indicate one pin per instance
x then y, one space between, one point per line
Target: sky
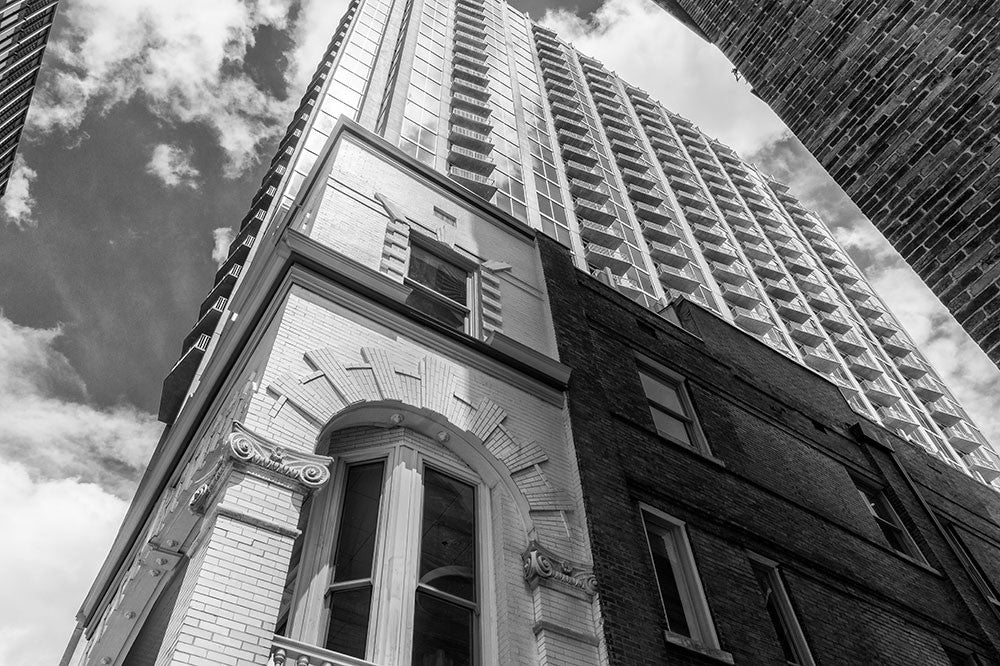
147 137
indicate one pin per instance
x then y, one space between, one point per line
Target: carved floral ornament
249 451
542 565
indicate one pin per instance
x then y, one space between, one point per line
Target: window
390 561
670 407
976 571
888 521
958 656
684 607
442 285
779 610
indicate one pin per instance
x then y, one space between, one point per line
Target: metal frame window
670 406
685 609
781 613
888 521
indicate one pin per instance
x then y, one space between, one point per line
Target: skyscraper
897 101
24 31
371 447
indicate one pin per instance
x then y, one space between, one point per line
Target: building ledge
720 656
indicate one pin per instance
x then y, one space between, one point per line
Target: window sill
720 656
693 450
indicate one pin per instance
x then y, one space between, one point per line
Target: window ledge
720 656
550 367
693 450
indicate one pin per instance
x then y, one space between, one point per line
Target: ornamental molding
259 457
541 566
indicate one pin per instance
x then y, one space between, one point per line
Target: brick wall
898 100
779 483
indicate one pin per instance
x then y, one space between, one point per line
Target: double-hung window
781 613
888 521
685 609
442 284
978 575
670 407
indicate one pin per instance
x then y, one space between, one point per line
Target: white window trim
914 553
390 639
696 610
473 297
698 440
787 611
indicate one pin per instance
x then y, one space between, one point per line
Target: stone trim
238 514
541 566
552 627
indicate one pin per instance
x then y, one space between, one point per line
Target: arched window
393 554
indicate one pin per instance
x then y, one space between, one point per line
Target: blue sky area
147 137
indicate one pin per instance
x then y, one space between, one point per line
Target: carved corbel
541 566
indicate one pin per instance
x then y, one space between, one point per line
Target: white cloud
172 165
182 58
316 22
18 203
648 48
222 237
48 425
58 533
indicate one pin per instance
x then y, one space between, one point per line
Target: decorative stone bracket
257 456
542 567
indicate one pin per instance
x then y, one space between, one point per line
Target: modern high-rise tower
897 100
375 452
24 31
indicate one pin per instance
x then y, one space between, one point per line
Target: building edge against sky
639 194
24 32
898 102
382 329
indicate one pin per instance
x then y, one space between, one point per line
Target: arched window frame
390 639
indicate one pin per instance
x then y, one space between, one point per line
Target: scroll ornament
541 565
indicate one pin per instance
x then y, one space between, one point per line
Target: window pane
670 426
356 545
780 624
662 393
442 633
437 308
435 273
349 612
448 536
666 578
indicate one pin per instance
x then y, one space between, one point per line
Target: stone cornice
541 566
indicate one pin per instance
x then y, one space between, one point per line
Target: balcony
880 391
478 183
576 135
581 171
602 257
561 94
896 346
288 652
651 119
668 233
963 437
820 358
606 106
470 26
639 178
470 74
470 89
912 366
627 286
744 296
626 147
788 250
567 112
675 167
764 265
811 231
699 214
836 260
856 290
868 308
583 156
602 214
811 285
471 160
897 418
693 199
755 319
206 324
617 130
834 321
927 387
882 327
655 214
822 301
684 279
648 195
471 103
850 343
806 332
793 310
945 412
780 288
684 182
799 266
559 84
723 252
732 273
470 49
470 138
471 13
581 189
471 60
635 163
709 233
672 254
728 203
601 234
473 121
863 365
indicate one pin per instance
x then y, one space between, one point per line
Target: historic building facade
395 436
897 100
24 31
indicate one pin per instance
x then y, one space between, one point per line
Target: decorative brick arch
338 393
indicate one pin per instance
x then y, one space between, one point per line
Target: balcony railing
780 288
963 437
834 321
597 193
597 213
656 214
806 332
755 319
819 358
581 171
476 140
732 273
709 233
793 310
945 412
673 254
481 185
601 234
850 342
684 279
667 232
895 416
744 296
880 390
286 652
603 257
927 387
723 252
640 178
911 366
864 366
647 195
473 160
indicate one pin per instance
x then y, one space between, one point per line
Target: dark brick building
898 100
772 476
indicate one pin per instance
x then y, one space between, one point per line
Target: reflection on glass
448 543
349 612
664 564
442 633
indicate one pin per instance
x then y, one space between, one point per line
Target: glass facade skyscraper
645 201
